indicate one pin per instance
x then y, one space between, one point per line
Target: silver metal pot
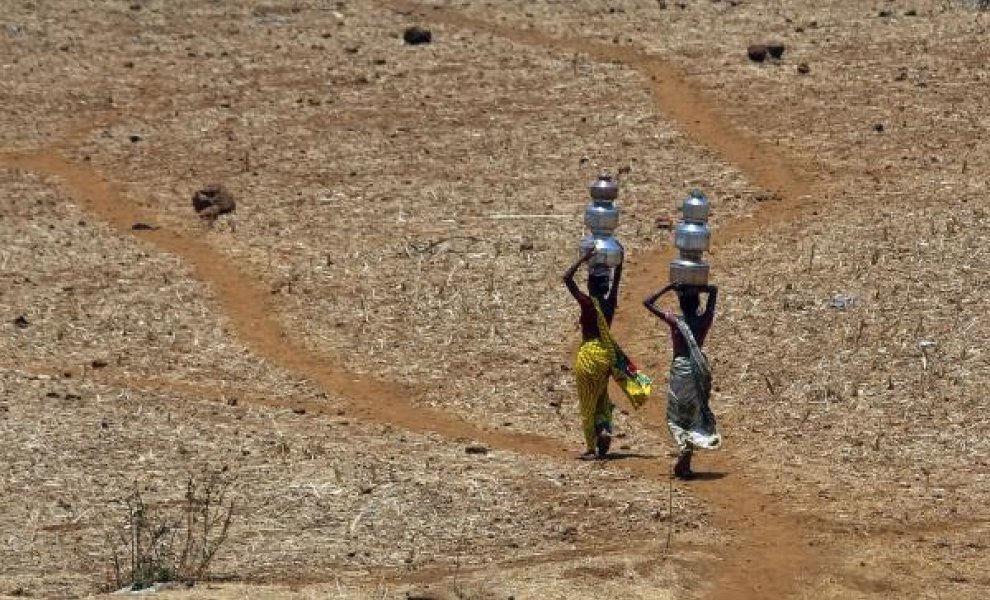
609 251
689 272
696 207
604 188
601 216
692 237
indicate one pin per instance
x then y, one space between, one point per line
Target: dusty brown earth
375 346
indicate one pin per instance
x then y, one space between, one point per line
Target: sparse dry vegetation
162 542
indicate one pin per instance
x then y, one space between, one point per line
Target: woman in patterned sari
689 417
596 355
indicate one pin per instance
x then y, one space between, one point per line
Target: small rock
803 68
841 301
299 411
476 450
757 52
21 322
135 138
776 49
878 127
144 227
526 245
911 13
98 363
416 35
212 201
885 13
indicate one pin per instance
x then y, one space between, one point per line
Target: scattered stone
803 68
476 450
299 411
757 52
135 138
841 301
776 50
911 13
213 201
98 363
883 14
416 35
144 227
878 127
21 322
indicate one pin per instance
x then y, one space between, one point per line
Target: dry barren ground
374 347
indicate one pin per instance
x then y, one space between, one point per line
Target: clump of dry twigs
155 544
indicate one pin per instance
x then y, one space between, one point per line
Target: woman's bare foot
682 468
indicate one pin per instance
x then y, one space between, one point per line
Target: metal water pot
689 272
601 216
609 250
692 237
696 207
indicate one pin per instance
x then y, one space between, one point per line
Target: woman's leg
603 421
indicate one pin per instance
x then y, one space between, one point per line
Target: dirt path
769 550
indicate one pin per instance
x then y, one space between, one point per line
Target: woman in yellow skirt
597 354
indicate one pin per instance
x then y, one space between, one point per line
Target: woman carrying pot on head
596 355
689 417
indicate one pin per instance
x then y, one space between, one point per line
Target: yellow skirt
592 368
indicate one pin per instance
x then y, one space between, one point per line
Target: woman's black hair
598 284
689 301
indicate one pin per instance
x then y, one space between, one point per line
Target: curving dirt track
769 555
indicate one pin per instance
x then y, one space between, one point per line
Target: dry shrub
168 542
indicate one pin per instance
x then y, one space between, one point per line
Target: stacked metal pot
601 216
692 238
